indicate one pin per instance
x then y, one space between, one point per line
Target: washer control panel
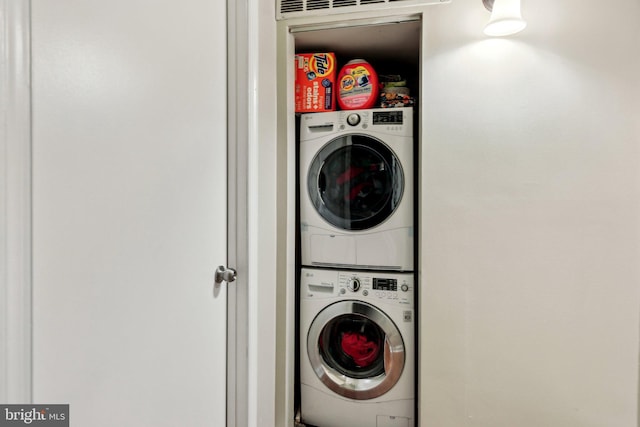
377 286
384 287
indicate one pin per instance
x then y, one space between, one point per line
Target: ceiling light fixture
506 18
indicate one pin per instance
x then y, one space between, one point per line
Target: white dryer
356 189
357 361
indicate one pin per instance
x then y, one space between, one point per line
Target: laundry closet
355 285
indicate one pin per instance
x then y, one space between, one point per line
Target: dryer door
356 350
355 182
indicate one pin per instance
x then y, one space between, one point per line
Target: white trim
286 303
15 203
237 295
265 218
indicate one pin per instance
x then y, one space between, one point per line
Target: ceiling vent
302 8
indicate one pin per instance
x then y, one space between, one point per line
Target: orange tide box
315 82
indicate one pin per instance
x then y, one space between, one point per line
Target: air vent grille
287 6
343 3
300 8
318 4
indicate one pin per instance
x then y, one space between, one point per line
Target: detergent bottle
357 85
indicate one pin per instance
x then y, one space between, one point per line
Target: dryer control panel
392 121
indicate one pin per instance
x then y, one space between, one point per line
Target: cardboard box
315 82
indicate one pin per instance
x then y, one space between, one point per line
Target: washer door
355 182
356 350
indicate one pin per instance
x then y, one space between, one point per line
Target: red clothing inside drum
359 348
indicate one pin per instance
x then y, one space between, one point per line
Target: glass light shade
506 19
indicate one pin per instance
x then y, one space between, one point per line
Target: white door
129 210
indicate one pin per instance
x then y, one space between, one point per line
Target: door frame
237 204
15 201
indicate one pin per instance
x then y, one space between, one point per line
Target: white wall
531 217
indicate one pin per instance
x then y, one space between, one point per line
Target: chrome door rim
381 150
353 388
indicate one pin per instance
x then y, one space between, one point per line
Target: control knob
353 119
353 284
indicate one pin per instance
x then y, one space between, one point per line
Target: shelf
394 43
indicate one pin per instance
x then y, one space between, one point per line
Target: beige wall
531 217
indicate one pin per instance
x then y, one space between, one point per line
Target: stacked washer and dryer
356 314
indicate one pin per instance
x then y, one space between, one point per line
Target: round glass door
355 182
356 350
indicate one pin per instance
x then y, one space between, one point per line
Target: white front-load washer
357 361
356 189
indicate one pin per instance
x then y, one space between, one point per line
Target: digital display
387 118
385 284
